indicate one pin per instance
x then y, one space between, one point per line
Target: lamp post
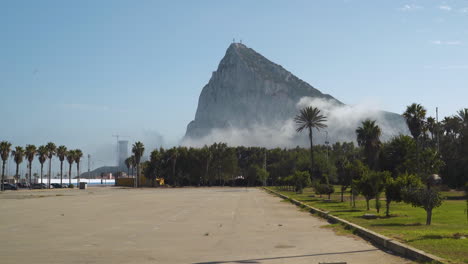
326 144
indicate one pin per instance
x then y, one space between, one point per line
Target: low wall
375 238
128 182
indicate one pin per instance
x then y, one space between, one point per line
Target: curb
377 239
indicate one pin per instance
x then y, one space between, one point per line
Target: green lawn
406 223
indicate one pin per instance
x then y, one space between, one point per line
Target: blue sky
77 72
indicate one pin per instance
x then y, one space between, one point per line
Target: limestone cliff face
249 90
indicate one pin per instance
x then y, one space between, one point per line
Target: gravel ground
185 225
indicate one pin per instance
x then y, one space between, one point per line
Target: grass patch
447 237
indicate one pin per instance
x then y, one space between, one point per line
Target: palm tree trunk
3 174
50 176
17 172
137 174
42 171
311 154
61 172
69 174
30 176
78 174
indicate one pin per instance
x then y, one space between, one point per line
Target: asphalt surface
187 225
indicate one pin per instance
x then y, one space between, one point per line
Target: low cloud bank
342 122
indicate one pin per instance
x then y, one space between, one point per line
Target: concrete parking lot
186 225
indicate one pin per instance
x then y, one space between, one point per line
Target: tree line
398 168
43 153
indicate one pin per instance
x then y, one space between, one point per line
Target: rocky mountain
250 100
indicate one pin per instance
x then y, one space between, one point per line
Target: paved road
190 225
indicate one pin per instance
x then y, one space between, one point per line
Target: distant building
107 176
122 153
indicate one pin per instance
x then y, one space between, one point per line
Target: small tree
301 179
428 199
371 186
356 169
344 175
393 188
327 189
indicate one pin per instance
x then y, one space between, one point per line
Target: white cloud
409 7
342 121
464 10
445 7
448 43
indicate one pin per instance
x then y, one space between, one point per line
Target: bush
301 179
327 189
71 186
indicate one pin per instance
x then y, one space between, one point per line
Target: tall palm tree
310 118
18 156
138 149
78 155
70 158
61 154
431 125
50 154
5 148
368 137
415 116
42 153
30 152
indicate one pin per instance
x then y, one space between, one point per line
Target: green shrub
301 179
71 186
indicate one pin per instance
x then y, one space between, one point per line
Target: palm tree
368 137
61 154
18 156
138 149
173 155
309 118
5 148
50 154
70 158
78 155
431 125
30 152
415 115
129 164
42 153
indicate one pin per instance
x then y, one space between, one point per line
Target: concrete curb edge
378 239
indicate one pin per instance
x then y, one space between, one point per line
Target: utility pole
89 166
437 127
264 165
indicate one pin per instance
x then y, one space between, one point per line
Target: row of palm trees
43 153
134 161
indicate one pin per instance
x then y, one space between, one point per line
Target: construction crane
117 148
